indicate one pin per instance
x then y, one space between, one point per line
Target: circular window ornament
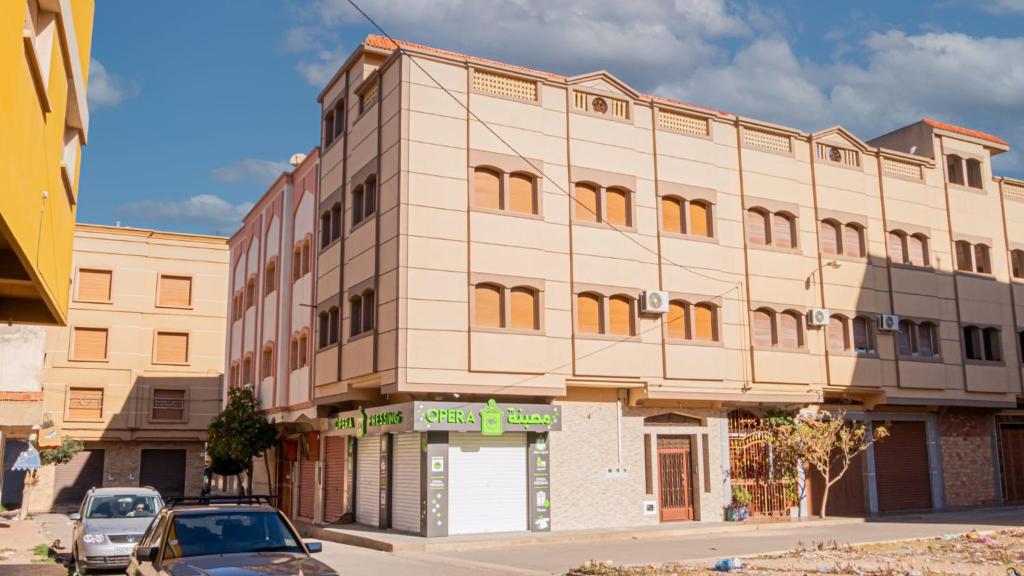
599 105
834 154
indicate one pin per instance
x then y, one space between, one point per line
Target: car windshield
123 506
224 532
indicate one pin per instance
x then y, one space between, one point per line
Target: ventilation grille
900 169
581 101
683 123
837 155
504 86
767 141
1013 191
601 105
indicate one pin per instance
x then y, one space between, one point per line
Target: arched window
963 256
830 237
489 306
1017 263
705 322
294 356
587 206
838 336
672 219
247 370
763 328
357 205
784 230
927 342
233 375
336 221
590 318
853 240
982 262
905 338
972 343
955 169
617 211
270 278
487 188
305 257
863 335
620 315
700 219
323 329
369 310
758 227
678 320
918 249
297 263
992 344
897 247
522 193
303 350
250 293
524 308
332 318
370 196
355 315
790 335
325 229
974 173
267 367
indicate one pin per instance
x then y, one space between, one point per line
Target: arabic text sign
490 418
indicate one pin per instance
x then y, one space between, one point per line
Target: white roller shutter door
368 481
487 483
405 483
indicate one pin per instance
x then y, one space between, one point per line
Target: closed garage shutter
334 477
901 468
72 480
368 481
307 487
164 470
487 483
1011 449
405 483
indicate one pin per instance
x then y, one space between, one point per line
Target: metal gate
901 468
1011 453
164 470
72 480
675 500
335 475
773 490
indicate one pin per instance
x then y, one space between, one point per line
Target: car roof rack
259 499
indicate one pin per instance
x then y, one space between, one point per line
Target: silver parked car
109 523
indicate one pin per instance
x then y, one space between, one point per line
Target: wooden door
1011 448
286 477
675 498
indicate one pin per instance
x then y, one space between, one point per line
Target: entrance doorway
675 492
286 476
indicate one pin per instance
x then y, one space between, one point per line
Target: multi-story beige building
549 302
136 374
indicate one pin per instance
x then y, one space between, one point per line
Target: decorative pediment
839 136
672 419
604 83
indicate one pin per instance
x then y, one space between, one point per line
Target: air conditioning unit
888 323
653 302
818 317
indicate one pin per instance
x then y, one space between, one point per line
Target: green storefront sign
490 419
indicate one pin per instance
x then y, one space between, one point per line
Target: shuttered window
270 278
524 308
904 338
303 351
862 335
678 324
488 305
617 210
853 240
897 251
85 403
522 198
918 250
963 256
762 324
757 228
168 404
171 348
789 330
672 214
369 310
487 189
620 318
94 285
247 370
705 325
838 340
982 263
700 219
1017 263
267 369
89 344
829 238
782 232
586 203
588 308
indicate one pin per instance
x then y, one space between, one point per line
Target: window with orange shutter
588 310
829 237
700 219
489 306
168 405
918 248
524 308
85 403
487 189
705 324
94 285
522 197
678 323
586 205
763 331
270 278
838 339
757 227
789 330
89 344
783 231
897 248
620 316
171 348
853 240
963 256
617 211
672 215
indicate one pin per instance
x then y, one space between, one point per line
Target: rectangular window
89 344
168 405
85 403
368 97
175 291
267 368
94 285
171 348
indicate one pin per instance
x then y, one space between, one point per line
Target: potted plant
739 509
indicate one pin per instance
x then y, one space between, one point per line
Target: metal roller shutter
901 468
487 483
405 483
72 480
368 481
307 487
1011 450
164 470
335 452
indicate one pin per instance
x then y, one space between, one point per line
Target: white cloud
1003 6
106 89
200 211
321 66
249 170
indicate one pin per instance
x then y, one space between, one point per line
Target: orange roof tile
965 131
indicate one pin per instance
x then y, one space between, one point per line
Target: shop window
487 188
838 337
758 227
620 315
590 317
587 208
678 320
829 237
524 308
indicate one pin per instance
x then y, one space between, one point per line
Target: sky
196 106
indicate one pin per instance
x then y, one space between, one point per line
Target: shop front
444 468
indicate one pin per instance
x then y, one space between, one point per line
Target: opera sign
490 419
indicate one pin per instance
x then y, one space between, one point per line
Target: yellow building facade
44 121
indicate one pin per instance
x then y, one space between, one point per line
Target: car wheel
79 569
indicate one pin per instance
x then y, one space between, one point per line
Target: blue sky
196 106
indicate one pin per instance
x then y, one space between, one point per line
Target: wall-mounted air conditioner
818 317
653 302
888 323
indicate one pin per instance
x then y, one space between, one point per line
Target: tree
238 434
61 454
